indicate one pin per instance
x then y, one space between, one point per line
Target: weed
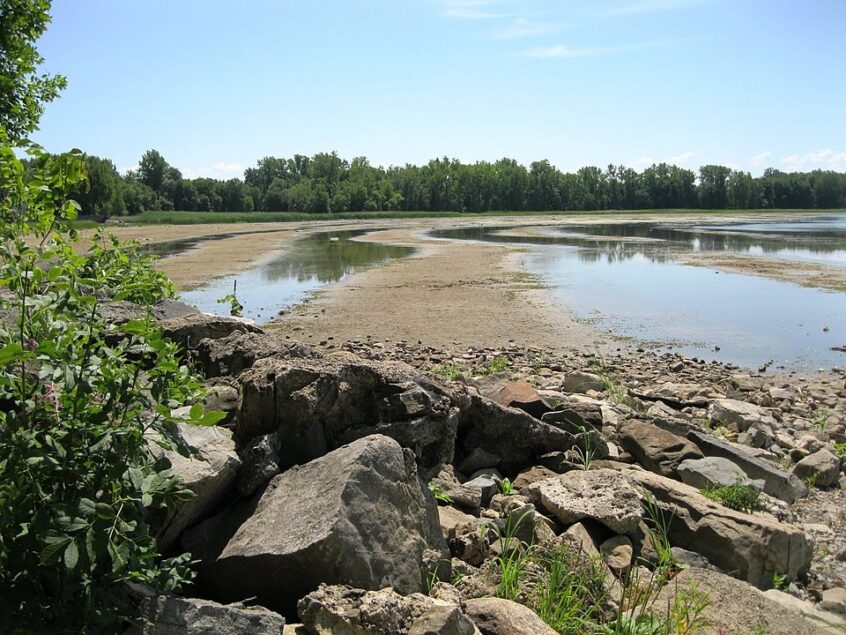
615 390
840 451
235 308
497 365
742 498
439 493
658 527
505 487
449 370
779 581
821 419
811 480
584 455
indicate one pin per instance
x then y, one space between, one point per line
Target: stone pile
373 489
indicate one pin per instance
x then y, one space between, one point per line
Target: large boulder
822 467
735 607
710 472
777 482
751 547
738 415
497 616
239 350
522 395
209 472
359 515
339 610
603 495
317 405
655 448
190 329
515 436
171 615
582 382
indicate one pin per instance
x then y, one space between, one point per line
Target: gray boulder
239 350
711 471
738 415
655 448
188 330
342 610
603 495
514 435
208 472
358 516
496 616
822 466
752 548
778 483
581 382
317 405
171 615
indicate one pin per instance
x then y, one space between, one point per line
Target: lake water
625 278
285 281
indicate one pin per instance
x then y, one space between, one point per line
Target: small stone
617 552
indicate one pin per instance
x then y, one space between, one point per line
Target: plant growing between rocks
739 497
81 397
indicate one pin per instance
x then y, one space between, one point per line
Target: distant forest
328 183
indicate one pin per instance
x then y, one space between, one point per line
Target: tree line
326 182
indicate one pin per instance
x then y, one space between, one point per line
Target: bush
80 399
742 498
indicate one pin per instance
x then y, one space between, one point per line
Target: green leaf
196 412
87 507
211 418
53 550
71 555
120 555
11 353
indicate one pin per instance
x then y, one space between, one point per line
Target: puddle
307 264
624 277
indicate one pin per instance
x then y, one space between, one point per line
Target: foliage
439 493
505 487
449 370
658 530
22 91
742 498
497 365
779 581
684 615
615 390
236 309
82 400
821 419
840 451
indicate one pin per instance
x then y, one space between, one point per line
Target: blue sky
214 85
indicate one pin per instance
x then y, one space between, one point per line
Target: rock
443 620
579 536
581 382
710 471
824 621
777 483
495 616
656 449
338 610
822 466
752 547
478 459
317 405
208 472
190 329
171 615
575 417
834 600
239 350
735 607
678 395
358 515
759 435
486 485
522 395
603 495
690 558
532 475
617 552
222 397
515 436
468 498
463 536
259 463
738 415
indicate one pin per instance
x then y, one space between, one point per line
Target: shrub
79 400
742 498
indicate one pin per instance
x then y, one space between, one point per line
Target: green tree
101 193
713 192
152 169
23 92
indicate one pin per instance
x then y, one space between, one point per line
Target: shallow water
285 281
625 277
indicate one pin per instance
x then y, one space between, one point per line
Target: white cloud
127 168
681 159
760 159
220 170
820 159
565 51
523 28
647 6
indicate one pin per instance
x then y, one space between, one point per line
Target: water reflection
309 263
625 276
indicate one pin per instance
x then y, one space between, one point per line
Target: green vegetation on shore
206 218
